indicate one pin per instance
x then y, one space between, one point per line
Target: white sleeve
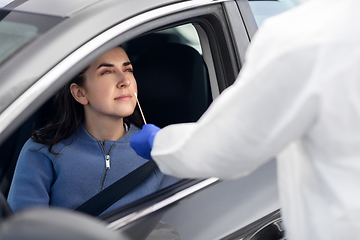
272 102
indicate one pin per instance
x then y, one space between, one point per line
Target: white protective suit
297 96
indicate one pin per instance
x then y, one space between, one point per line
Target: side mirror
56 224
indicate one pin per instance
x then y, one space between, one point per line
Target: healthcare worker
297 98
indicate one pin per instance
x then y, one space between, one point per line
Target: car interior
173 87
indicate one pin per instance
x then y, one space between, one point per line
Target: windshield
18 29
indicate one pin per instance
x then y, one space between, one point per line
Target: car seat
173 84
5 209
10 149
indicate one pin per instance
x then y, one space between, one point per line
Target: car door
208 209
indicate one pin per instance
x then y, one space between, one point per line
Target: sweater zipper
107 163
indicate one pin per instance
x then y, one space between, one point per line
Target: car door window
190 96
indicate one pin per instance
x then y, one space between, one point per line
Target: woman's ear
78 93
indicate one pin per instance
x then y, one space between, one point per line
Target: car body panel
213 218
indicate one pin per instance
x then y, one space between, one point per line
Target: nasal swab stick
140 108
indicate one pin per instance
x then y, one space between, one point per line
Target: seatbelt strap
107 197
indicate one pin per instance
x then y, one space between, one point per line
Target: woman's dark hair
70 114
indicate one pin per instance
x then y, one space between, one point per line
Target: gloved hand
142 142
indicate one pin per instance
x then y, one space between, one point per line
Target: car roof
59 8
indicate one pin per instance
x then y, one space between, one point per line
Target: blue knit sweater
78 172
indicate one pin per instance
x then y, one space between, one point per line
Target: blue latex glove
142 142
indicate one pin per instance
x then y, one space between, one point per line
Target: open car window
173 86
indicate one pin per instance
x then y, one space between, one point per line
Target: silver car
44 43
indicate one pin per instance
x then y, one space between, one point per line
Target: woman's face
110 85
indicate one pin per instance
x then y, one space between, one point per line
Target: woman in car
87 148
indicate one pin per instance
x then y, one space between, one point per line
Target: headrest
173 84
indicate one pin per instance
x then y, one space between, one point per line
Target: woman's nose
124 81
